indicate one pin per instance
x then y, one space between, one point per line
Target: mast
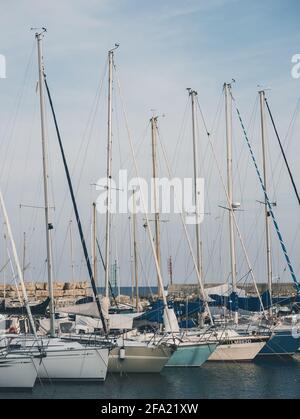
193 95
131 257
94 242
156 203
48 224
136 279
109 169
228 111
18 265
4 270
24 255
262 96
71 250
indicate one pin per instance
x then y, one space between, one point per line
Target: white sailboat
61 360
128 355
64 360
230 345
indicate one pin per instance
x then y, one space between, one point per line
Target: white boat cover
116 321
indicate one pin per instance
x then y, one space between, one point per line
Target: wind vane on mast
43 29
114 48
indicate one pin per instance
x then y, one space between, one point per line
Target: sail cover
250 303
36 310
90 310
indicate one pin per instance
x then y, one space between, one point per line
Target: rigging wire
85 143
234 217
149 230
77 214
283 152
283 246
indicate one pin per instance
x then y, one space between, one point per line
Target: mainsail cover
116 321
182 309
36 310
253 304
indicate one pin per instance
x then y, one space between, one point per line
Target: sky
165 47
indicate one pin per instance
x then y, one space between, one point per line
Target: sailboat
230 346
283 341
196 346
128 355
141 353
125 355
188 353
62 360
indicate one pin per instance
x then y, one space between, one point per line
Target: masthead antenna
39 31
114 48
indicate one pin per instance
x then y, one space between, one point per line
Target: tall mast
17 262
262 96
156 203
24 255
228 111
135 256
71 250
48 224
193 95
94 242
131 257
4 270
109 169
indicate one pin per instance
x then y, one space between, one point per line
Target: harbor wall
39 290
190 290
74 290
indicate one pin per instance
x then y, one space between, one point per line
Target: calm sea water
268 379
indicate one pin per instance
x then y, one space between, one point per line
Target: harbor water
278 378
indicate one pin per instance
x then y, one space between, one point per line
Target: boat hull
87 364
236 352
63 360
282 343
19 372
139 359
192 355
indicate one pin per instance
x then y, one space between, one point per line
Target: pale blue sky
166 46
